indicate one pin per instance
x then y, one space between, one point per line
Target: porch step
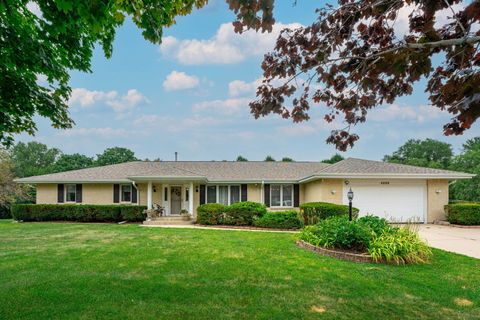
168 220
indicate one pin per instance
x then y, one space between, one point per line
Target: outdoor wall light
333 191
196 189
438 191
154 189
347 182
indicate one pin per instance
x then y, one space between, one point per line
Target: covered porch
176 196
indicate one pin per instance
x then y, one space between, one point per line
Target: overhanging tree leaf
41 41
352 60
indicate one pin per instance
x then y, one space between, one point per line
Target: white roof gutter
386 176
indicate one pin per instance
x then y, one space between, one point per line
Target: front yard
86 271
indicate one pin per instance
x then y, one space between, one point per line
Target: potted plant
185 214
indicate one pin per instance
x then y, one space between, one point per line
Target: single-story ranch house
397 192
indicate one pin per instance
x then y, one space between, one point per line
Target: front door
176 199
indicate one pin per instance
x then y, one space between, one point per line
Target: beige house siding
98 193
325 190
437 191
46 194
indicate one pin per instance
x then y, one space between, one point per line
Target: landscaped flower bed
370 236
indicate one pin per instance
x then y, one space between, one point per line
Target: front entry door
176 200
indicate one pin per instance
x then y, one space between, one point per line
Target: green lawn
80 271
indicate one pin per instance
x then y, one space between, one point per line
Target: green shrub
244 213
211 213
376 224
314 212
74 212
399 245
463 213
133 213
338 232
280 220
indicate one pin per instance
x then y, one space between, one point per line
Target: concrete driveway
459 240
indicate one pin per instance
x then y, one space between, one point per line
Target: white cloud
224 47
239 88
180 81
225 107
393 112
128 101
104 133
87 98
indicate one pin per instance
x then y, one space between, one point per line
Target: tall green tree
241 159
269 159
40 46
425 153
10 191
33 158
467 161
115 155
67 162
333 159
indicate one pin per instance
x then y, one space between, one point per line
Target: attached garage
398 200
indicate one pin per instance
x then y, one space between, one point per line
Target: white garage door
395 200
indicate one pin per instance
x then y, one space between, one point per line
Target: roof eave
32 181
387 176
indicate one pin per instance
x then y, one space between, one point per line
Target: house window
70 193
281 195
126 193
234 194
223 194
211 194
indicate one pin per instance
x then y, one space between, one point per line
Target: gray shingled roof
238 171
209 170
353 166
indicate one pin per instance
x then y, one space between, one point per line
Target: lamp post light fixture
350 198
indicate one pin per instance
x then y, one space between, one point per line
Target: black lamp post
350 198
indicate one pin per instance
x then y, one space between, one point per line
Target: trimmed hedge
80 213
211 213
280 220
314 212
237 214
244 213
467 214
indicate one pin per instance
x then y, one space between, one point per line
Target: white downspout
138 192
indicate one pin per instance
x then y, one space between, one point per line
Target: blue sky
191 96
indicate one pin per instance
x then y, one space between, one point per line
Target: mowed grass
94 271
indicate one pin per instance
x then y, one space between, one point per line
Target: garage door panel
396 201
